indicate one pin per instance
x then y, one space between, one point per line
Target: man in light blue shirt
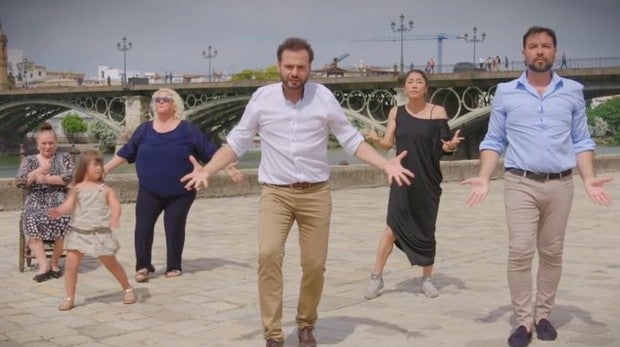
539 121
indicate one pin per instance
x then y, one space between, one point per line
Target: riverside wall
342 176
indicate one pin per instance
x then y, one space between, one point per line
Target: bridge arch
25 115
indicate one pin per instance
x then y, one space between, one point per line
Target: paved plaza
215 302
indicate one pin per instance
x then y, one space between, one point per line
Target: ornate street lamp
401 29
209 55
124 47
474 39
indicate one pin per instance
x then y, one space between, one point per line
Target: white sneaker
374 286
429 289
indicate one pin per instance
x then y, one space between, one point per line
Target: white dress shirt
293 136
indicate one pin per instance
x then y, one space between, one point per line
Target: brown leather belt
296 185
539 176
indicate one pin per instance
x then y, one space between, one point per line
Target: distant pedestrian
539 107
109 81
564 64
481 63
506 62
95 211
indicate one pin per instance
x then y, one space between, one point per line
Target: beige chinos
279 208
537 214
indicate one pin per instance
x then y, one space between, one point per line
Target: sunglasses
163 99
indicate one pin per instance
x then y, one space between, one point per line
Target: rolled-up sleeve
580 134
346 134
495 138
241 137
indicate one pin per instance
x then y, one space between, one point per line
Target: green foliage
106 136
73 124
598 127
270 73
609 111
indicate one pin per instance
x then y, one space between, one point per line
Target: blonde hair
177 102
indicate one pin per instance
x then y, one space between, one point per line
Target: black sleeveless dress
412 210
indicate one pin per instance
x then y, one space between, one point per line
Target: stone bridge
216 107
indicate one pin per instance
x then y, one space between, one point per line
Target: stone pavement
214 303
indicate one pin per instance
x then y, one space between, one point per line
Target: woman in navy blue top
161 149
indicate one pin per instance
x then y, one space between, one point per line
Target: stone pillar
136 112
4 56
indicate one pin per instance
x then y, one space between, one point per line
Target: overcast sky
169 35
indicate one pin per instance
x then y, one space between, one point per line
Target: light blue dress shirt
539 134
293 136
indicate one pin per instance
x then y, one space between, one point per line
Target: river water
9 164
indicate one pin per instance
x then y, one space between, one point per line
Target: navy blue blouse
163 158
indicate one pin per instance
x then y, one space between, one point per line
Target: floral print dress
41 197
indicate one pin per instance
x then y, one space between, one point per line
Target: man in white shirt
293 119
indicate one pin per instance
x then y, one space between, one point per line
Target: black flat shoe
43 277
56 274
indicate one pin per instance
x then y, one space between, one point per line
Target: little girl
95 211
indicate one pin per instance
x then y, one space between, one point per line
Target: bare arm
453 144
593 185
113 163
66 208
387 141
115 208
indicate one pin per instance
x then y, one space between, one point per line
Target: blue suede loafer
520 337
545 330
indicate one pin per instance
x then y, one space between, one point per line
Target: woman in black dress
422 130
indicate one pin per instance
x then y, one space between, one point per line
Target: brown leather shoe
274 343
306 339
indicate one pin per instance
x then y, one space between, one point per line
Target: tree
609 111
270 73
72 124
105 135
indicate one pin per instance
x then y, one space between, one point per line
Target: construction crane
339 59
332 68
439 37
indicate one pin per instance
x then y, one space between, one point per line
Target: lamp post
401 29
124 47
209 55
474 39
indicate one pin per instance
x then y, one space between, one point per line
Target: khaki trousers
279 208
537 214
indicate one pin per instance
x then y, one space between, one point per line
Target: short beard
536 68
299 87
